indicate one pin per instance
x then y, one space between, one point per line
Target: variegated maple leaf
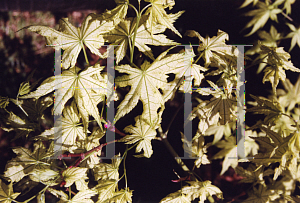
26 161
106 171
80 85
123 34
277 61
141 133
262 15
72 39
295 35
146 83
158 15
213 50
222 103
70 131
229 152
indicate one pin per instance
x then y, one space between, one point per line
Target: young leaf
141 133
122 196
196 148
290 97
176 197
72 39
106 189
116 15
214 50
201 190
123 33
229 149
108 171
277 60
83 196
158 15
262 15
295 35
265 106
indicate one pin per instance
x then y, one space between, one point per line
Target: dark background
149 178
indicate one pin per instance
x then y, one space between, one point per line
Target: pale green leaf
105 189
72 39
141 133
80 85
201 190
71 175
123 33
157 15
108 171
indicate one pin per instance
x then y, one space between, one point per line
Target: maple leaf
106 189
116 15
88 144
287 6
229 149
45 176
270 39
7 194
193 70
146 83
253 174
83 196
222 103
262 15
295 35
247 2
201 190
158 15
123 34
218 131
70 130
213 49
122 196
277 61
26 161
72 39
22 126
141 133
108 171
70 175
35 109
262 194
79 85
290 97
275 150
197 149
176 197
272 109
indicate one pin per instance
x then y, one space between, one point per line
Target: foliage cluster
82 94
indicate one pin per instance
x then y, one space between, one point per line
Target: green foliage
83 92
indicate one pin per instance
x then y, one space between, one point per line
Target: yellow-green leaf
72 39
